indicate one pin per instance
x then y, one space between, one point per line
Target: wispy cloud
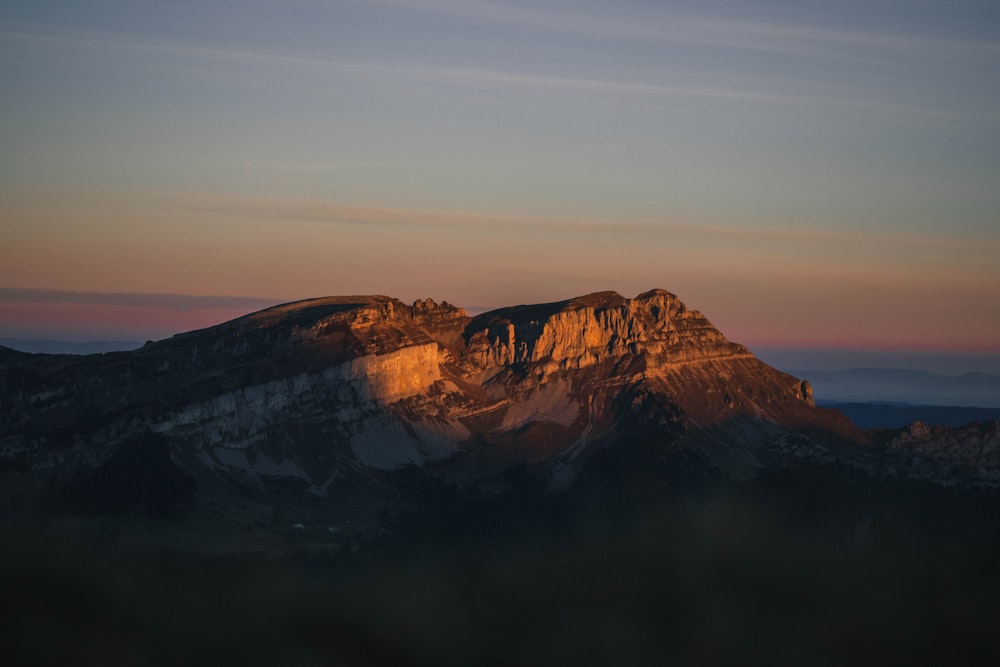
180 302
665 25
335 212
247 209
467 78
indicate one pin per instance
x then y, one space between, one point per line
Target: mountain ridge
334 398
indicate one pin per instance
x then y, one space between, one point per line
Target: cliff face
601 344
314 389
581 332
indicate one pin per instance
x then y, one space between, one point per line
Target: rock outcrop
574 334
601 343
964 456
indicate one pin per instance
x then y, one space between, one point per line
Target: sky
806 174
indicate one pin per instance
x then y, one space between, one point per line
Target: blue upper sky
828 113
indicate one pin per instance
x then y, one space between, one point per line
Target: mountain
336 413
356 480
37 346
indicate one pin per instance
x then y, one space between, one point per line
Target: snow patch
385 443
551 402
263 465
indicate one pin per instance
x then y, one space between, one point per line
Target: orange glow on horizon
84 322
775 285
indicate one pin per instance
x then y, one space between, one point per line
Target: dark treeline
803 565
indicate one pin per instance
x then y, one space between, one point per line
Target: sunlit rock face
588 330
602 344
386 378
317 388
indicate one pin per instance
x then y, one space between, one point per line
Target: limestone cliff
577 333
602 344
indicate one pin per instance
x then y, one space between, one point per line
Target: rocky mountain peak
354 313
655 327
443 321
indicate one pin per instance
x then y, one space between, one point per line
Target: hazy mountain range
42 346
859 385
898 415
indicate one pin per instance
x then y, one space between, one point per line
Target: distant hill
69 347
868 385
898 415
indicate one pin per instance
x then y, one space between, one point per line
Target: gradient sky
804 173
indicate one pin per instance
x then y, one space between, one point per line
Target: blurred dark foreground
720 578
